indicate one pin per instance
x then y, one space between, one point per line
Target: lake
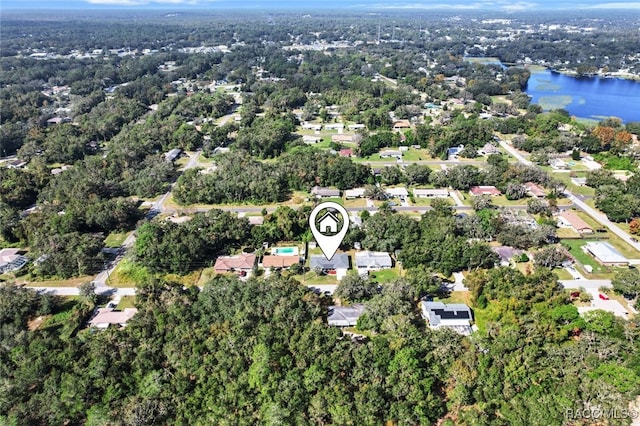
585 97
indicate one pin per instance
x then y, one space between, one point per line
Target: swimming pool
285 251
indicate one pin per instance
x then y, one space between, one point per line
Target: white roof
397 192
422 191
605 252
373 259
355 192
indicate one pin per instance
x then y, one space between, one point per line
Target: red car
603 296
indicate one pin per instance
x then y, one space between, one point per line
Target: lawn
385 275
72 282
416 155
128 274
358 202
126 302
115 239
311 277
575 248
456 297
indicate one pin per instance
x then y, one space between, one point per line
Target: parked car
603 296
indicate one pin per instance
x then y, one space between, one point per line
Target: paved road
586 284
514 152
581 204
75 291
603 220
425 162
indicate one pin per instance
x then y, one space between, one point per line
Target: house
342 138
346 152
568 219
454 151
456 316
11 260
489 149
221 150
107 316
334 126
279 262
606 254
338 265
255 220
308 139
350 194
391 154
535 190
356 126
430 193
320 192
344 316
328 224
579 181
400 192
241 263
173 154
311 126
484 190
558 164
506 254
401 124
16 164
372 261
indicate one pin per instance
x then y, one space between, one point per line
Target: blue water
586 97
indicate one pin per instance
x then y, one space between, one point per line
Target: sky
369 5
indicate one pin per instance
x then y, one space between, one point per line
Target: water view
586 97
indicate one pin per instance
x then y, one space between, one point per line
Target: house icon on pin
328 223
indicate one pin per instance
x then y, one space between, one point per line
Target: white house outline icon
328 224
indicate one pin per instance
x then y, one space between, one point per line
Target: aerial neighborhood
157 181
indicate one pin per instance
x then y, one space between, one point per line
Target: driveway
610 305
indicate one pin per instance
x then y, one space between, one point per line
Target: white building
456 316
430 193
606 254
372 261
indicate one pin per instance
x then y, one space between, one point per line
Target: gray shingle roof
338 261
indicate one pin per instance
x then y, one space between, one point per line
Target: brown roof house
535 190
485 190
279 262
240 263
569 219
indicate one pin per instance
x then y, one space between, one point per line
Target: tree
417 174
627 283
374 192
515 191
391 175
550 257
354 288
634 226
424 280
88 292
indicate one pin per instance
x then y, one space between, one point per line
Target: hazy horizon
345 5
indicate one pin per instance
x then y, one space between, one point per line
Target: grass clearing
358 202
456 297
311 277
128 274
115 239
385 275
575 248
72 282
126 302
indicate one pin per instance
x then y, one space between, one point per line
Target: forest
259 352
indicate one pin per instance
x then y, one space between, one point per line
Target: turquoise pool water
285 250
